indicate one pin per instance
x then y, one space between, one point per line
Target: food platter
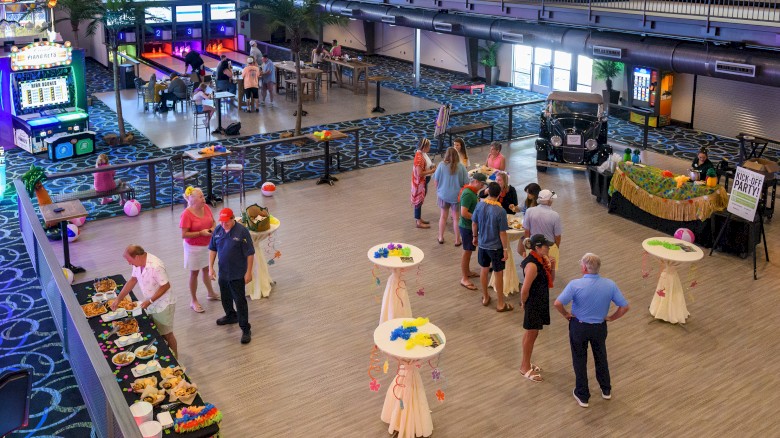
143 369
123 359
126 327
94 309
114 315
140 354
126 304
515 223
105 285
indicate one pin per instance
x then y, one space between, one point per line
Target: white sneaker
606 395
579 402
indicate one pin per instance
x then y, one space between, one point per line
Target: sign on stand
745 193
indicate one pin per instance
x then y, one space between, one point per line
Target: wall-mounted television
226 11
189 14
158 15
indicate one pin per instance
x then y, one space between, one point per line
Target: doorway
543 70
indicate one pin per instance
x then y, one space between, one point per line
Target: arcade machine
223 39
651 89
189 30
44 100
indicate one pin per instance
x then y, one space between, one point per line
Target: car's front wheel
541 155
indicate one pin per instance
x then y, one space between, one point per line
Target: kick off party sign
745 193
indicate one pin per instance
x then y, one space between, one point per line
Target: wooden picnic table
288 69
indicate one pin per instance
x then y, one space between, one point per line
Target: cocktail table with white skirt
395 301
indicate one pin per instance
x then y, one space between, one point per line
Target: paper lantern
68 275
79 221
684 234
132 207
268 189
73 232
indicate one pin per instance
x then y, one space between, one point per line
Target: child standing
104 181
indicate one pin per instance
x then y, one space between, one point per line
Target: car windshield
567 107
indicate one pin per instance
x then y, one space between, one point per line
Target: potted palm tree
296 18
603 69
490 60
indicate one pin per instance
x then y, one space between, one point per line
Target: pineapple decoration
712 178
33 181
627 154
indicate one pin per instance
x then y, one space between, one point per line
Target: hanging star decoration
421 292
440 395
661 293
374 385
436 374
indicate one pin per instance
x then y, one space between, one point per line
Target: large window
544 70
584 74
562 71
522 59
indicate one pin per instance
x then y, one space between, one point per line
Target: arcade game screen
43 92
223 11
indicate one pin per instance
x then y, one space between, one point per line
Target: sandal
486 303
535 368
532 375
469 286
197 308
459 244
213 298
441 241
507 308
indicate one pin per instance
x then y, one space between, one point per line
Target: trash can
126 76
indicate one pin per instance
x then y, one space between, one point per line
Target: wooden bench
470 87
481 127
120 189
281 160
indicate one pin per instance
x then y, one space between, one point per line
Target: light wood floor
304 374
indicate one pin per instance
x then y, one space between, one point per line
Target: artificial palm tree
115 15
297 18
78 11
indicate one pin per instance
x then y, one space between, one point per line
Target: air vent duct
389 19
442 27
733 68
510 37
347 12
607 52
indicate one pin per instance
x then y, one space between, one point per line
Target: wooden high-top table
357 67
334 135
62 212
288 67
378 80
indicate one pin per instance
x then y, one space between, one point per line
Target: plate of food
94 309
143 353
152 395
126 327
170 382
114 315
123 359
140 384
126 304
105 285
515 223
171 371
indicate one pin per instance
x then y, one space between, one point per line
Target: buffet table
395 301
124 375
511 279
406 409
641 194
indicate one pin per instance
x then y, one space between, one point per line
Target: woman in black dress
539 273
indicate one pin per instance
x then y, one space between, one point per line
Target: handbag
256 218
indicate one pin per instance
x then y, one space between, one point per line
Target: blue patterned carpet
27 333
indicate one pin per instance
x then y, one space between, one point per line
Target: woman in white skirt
197 223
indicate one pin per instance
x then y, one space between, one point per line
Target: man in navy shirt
232 242
489 225
590 296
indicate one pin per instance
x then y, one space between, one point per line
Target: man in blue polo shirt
232 242
590 296
489 225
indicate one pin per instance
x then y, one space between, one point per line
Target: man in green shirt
468 199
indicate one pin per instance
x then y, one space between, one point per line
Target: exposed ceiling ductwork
680 56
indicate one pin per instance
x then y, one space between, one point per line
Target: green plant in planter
489 58
607 70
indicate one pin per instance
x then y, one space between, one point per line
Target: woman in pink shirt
495 160
197 223
104 181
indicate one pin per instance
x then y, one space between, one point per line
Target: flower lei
547 267
188 190
489 202
196 417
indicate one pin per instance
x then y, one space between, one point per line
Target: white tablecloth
511 279
669 298
414 420
395 301
261 284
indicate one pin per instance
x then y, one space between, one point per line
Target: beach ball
132 207
73 232
268 189
68 275
79 221
684 234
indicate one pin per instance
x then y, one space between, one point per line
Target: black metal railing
510 114
645 113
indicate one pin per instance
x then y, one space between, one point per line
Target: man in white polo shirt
150 275
542 219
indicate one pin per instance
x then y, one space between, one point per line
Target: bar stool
197 122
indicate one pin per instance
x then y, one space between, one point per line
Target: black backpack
233 128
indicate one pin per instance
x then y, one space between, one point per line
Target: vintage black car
572 132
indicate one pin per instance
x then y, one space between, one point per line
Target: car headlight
591 144
556 140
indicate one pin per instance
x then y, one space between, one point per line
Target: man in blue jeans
590 296
489 225
233 243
